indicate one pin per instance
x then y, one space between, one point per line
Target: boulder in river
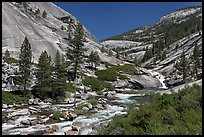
89 105
26 122
4 106
71 115
26 133
71 132
75 128
85 109
52 129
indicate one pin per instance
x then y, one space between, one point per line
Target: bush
11 98
161 116
60 99
93 101
11 60
69 87
80 106
4 114
108 75
111 74
94 83
58 114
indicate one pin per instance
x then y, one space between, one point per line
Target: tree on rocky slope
6 54
43 75
59 76
196 59
94 58
25 64
75 53
184 65
44 14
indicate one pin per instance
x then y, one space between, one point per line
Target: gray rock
4 106
85 109
89 105
26 122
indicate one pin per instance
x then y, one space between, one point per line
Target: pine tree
6 54
59 76
44 15
75 55
25 63
184 66
196 59
97 59
43 75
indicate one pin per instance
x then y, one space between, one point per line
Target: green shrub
94 83
11 98
111 74
60 99
58 114
108 75
122 77
80 106
93 101
4 114
163 115
69 87
10 60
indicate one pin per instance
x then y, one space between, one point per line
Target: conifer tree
43 75
44 15
25 64
184 66
75 54
6 54
59 76
196 59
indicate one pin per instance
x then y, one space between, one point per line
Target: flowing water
114 107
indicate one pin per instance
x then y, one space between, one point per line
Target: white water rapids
160 77
85 121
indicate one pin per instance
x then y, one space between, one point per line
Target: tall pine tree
196 54
43 75
75 53
59 76
25 64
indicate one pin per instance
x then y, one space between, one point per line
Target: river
114 107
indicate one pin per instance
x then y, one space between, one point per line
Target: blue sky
105 19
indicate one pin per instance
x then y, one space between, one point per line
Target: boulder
71 132
52 129
26 122
85 109
99 106
89 105
32 108
4 106
61 119
36 101
75 128
71 115
44 120
26 133
112 92
30 101
19 113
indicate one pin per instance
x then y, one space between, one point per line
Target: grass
93 101
11 98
